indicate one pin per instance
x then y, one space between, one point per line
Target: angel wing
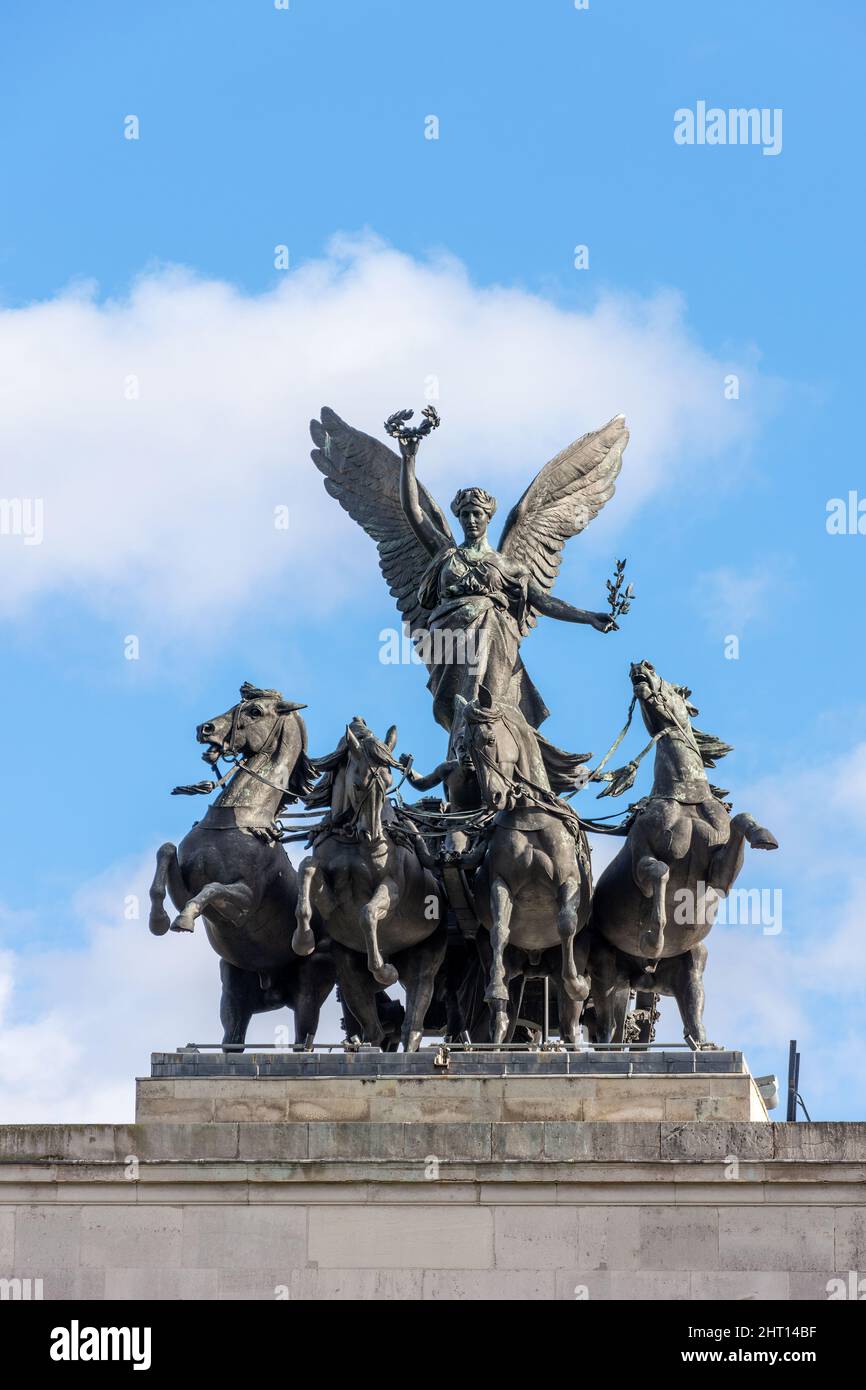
364 476
568 492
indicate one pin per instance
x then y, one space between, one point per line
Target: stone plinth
430 1087
506 1203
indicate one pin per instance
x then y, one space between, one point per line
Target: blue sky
261 127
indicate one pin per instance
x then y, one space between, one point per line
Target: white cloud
164 504
733 599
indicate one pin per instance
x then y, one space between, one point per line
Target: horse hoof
303 942
181 923
412 1041
386 975
159 921
764 839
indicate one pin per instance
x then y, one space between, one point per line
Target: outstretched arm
551 607
439 774
428 534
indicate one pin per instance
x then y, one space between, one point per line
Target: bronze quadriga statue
463 900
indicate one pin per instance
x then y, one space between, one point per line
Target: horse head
663 705
369 765
264 726
682 751
489 736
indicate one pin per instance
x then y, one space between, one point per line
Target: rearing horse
384 908
657 900
534 883
232 871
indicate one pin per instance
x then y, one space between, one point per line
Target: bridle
238 763
521 787
376 776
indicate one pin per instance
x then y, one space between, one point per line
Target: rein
594 775
240 764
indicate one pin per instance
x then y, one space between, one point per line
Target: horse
533 886
232 871
657 900
367 876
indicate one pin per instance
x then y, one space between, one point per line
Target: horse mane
710 747
259 692
564 770
325 770
304 772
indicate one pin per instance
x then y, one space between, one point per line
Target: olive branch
619 598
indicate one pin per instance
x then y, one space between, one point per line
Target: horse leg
570 1011
314 980
381 903
418 968
758 836
608 988
167 875
240 993
660 837
576 985
651 876
620 1002
496 994
687 987
232 900
358 992
456 967
727 860
310 881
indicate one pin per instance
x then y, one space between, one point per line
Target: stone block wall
406 1208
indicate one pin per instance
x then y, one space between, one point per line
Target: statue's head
473 508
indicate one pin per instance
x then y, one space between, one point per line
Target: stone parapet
510 1203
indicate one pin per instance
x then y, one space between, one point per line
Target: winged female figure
467 605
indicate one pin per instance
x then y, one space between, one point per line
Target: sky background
157 376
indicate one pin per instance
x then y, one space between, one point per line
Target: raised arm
426 531
424 528
551 607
